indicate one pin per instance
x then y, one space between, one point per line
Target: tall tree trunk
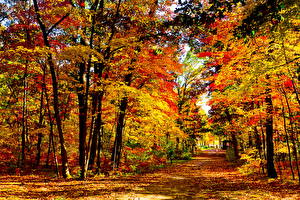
24 119
96 134
269 135
259 146
116 153
263 138
49 149
294 76
235 145
40 123
82 103
99 148
65 168
38 147
92 127
63 151
233 137
293 137
96 139
54 153
287 141
51 134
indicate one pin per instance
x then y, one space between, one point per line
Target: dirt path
208 176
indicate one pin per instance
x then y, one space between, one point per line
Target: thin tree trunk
24 120
24 106
99 148
269 135
92 127
97 99
259 147
116 154
51 138
49 150
38 154
96 139
292 133
54 152
287 141
40 125
82 103
51 131
64 156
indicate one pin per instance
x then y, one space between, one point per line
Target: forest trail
207 176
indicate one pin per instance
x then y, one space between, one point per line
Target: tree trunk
92 127
99 148
235 145
24 120
269 136
287 142
38 148
51 135
293 137
233 137
97 100
64 156
96 139
40 124
82 103
116 154
63 151
259 147
250 142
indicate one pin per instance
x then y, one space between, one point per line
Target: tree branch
57 23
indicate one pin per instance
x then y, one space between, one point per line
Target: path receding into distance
207 176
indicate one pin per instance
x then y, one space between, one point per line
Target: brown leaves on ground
207 176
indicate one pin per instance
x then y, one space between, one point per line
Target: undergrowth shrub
177 154
138 160
185 156
252 162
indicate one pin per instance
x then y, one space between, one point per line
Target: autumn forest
102 90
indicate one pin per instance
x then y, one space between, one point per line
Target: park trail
207 176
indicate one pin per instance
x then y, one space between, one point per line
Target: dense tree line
116 85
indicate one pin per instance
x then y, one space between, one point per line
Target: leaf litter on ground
207 176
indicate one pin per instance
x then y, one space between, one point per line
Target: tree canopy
102 85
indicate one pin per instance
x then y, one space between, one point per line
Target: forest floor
207 176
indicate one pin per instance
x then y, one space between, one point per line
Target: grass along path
207 176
